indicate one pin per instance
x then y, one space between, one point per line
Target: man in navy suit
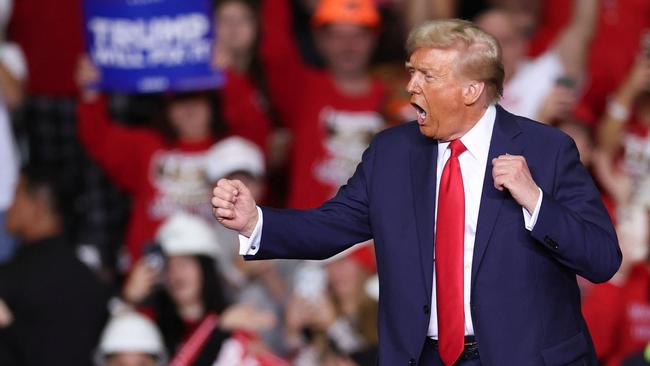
481 220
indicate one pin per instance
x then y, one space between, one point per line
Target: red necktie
449 243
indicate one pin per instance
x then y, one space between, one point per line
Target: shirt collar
477 139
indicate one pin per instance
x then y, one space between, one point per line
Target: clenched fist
511 172
234 206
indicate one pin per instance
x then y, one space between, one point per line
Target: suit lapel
423 161
423 158
503 141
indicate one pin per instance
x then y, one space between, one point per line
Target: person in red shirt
552 17
615 315
623 135
163 171
50 34
235 50
618 312
620 29
332 113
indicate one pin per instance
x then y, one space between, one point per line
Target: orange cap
360 12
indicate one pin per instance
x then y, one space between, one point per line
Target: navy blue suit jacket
525 301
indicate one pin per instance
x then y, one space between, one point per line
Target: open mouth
422 114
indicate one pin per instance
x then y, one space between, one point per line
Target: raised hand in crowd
11 85
558 104
638 80
6 316
621 105
613 180
247 317
306 313
141 282
86 75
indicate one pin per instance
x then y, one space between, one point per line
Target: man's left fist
511 172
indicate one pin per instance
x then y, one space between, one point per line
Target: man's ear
472 91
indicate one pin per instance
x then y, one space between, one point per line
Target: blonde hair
481 53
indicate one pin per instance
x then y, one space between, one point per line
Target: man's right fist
234 206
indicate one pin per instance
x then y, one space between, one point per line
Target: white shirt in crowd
527 89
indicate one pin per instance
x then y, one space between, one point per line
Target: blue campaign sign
152 45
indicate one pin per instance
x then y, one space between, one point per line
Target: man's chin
427 131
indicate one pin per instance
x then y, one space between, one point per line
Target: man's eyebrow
409 65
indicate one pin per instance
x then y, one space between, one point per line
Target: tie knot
457 148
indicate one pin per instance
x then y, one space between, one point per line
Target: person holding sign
163 170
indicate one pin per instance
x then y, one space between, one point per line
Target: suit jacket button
426 309
411 362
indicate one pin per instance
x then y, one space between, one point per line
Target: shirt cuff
250 246
531 219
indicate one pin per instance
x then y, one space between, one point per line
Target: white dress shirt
472 165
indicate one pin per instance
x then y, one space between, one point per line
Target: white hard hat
234 154
129 331
185 234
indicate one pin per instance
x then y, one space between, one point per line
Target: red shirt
50 34
616 42
162 176
330 130
554 16
621 24
618 317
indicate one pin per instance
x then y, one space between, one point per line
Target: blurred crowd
110 254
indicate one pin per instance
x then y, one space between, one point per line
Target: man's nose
412 87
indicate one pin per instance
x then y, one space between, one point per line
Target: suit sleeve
324 231
573 223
